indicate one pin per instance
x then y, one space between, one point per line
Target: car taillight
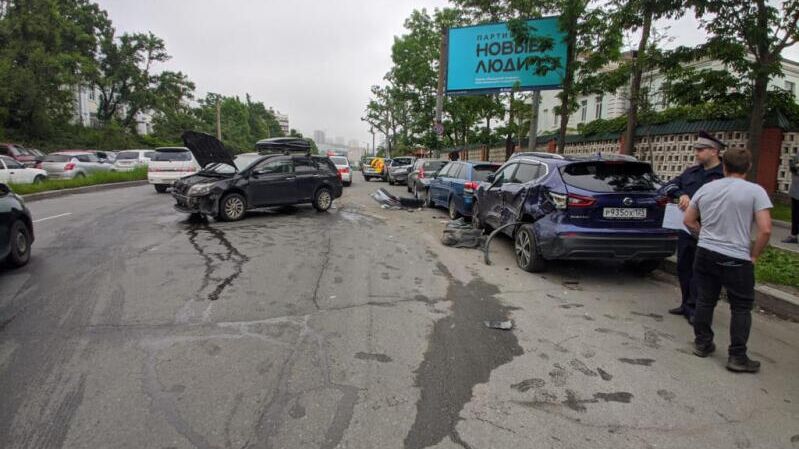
344 170
581 201
69 166
470 186
421 172
662 201
338 173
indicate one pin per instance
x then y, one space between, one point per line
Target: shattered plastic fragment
501 325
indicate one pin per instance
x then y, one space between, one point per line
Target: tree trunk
759 93
635 85
568 84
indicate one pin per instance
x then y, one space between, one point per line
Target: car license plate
624 212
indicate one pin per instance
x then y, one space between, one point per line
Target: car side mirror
490 178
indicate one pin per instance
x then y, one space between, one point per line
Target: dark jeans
686 251
713 271
794 216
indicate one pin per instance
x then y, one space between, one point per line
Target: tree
750 36
45 46
634 15
126 82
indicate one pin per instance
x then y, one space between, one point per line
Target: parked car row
556 207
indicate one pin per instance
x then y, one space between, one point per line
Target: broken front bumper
195 204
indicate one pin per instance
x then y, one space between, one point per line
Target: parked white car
12 171
169 164
130 159
73 164
343 167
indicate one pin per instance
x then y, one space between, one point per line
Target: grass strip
105 177
777 266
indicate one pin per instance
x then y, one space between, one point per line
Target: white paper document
673 218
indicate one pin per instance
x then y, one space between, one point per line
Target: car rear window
481 172
57 158
172 156
339 160
610 176
402 161
434 165
128 155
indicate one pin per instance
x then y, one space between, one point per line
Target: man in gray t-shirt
726 208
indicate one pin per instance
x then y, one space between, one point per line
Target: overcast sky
311 59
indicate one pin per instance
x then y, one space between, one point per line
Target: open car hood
206 149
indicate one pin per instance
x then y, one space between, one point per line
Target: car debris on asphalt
501 325
389 201
460 234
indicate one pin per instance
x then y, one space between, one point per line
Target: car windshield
610 176
128 155
339 160
57 158
481 172
172 156
243 161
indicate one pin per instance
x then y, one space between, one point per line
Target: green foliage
44 46
93 179
776 266
781 211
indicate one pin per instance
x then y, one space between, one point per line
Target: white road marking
54 216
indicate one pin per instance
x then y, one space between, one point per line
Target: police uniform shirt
689 181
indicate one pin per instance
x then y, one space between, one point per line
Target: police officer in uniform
708 168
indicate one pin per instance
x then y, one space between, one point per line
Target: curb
95 188
776 301
781 224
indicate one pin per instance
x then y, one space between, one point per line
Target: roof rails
538 154
283 145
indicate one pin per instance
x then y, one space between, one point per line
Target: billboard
486 58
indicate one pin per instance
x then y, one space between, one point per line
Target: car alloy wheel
453 211
20 244
526 249
233 207
323 200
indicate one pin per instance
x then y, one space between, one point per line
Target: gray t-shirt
727 210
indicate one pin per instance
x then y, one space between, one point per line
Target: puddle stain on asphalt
231 255
445 381
578 405
642 362
382 358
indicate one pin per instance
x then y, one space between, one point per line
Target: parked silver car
73 164
130 159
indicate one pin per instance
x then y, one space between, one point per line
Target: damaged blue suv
577 208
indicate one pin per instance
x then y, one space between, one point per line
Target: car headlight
200 189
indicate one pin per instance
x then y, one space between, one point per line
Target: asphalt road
356 328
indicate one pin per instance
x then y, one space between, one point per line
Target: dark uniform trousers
686 252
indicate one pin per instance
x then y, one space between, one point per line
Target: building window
790 87
91 93
554 118
583 110
598 111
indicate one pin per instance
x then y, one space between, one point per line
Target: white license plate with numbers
624 212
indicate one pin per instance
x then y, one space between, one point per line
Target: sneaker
743 364
790 239
704 350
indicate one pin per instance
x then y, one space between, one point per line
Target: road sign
439 129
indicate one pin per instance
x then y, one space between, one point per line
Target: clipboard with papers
673 218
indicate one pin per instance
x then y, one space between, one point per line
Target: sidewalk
779 231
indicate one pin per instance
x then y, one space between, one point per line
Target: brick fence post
552 146
769 163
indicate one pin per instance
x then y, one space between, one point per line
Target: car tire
528 256
160 188
643 267
79 176
426 200
232 207
390 182
19 244
39 179
348 183
323 199
476 224
453 211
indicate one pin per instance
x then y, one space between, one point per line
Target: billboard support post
534 120
442 58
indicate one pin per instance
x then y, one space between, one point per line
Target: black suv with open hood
282 173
